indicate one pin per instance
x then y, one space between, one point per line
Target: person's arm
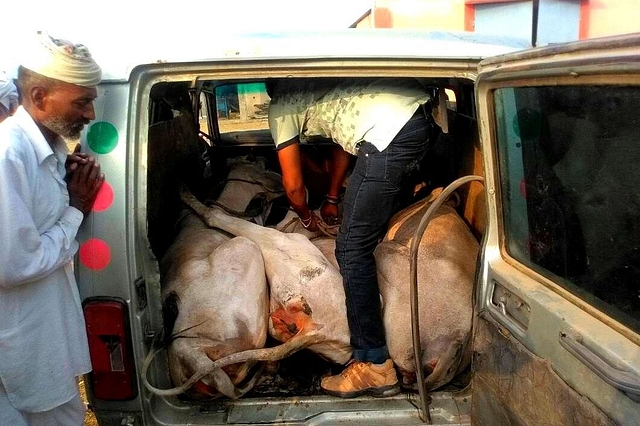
289 158
25 254
340 160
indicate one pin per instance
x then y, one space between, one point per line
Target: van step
446 409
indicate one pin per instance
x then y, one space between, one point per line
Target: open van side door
557 333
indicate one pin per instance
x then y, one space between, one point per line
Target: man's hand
329 213
75 159
310 223
83 183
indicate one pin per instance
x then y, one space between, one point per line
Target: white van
555 134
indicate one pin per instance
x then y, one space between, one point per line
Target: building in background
540 21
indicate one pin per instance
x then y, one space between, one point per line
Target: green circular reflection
102 137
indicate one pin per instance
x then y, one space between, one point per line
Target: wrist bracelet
308 221
332 200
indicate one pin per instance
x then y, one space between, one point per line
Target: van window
242 113
451 99
203 114
569 167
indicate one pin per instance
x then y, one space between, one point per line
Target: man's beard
69 131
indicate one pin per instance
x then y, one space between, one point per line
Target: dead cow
307 298
215 302
446 266
249 189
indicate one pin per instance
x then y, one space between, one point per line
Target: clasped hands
83 179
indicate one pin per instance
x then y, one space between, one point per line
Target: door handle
625 381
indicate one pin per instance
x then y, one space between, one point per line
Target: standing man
386 124
8 97
44 196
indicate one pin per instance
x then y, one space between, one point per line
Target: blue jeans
372 197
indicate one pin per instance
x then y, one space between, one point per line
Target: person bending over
386 123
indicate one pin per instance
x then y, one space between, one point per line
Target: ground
238 125
89 418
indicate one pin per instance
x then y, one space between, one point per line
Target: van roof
608 43
117 63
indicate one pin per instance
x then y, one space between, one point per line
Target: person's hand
309 223
75 159
329 213
83 183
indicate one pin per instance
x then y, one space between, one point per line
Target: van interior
195 128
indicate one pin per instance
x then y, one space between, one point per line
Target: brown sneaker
363 378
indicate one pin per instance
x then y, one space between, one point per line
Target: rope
323 228
328 230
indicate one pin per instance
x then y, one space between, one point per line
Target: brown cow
446 267
447 258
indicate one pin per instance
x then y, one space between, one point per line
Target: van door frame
532 313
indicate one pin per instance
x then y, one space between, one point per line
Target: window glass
451 99
203 114
242 112
569 169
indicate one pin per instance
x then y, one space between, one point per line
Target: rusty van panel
512 386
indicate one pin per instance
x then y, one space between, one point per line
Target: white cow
215 303
249 189
307 297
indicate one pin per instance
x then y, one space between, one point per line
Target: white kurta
43 343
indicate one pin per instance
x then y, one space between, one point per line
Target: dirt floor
89 418
238 125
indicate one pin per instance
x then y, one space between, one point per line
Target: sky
116 21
